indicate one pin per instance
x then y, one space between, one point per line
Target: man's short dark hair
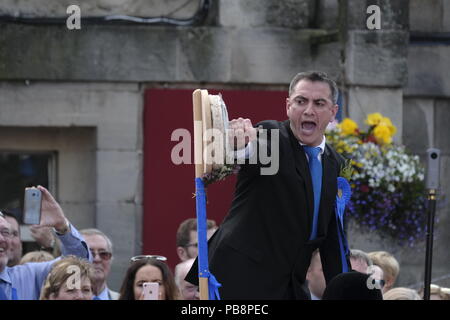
10 213
361 256
185 228
316 76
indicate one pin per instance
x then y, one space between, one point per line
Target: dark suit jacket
261 250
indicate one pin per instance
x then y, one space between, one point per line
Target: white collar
321 145
4 275
104 295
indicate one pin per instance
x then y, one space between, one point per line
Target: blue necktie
315 168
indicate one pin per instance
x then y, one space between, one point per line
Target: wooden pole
198 101
198 133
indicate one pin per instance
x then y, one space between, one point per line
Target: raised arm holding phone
23 282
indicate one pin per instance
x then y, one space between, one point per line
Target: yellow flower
348 126
382 134
374 118
386 121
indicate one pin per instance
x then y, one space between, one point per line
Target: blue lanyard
3 294
13 294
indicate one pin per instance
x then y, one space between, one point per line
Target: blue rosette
342 198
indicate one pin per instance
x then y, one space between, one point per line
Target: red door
168 188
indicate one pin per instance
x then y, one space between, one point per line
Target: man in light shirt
102 254
24 282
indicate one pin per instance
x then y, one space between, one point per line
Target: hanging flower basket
388 190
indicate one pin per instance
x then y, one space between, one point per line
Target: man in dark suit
263 248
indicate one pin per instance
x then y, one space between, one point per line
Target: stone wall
76 157
375 60
418 100
292 14
429 16
58 8
162 54
97 131
427 114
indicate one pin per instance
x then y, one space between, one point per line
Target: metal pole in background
432 184
429 251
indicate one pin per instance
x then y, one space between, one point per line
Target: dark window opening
21 169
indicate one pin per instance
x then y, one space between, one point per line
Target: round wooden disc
207 125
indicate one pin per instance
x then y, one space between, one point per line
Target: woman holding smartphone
145 270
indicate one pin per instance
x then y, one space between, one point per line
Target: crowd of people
74 265
373 277
82 266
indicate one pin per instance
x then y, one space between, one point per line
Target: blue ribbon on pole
342 198
203 268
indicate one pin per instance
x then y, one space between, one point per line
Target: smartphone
32 206
151 290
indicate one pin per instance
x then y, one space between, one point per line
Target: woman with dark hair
148 269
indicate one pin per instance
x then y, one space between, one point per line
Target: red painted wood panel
168 188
